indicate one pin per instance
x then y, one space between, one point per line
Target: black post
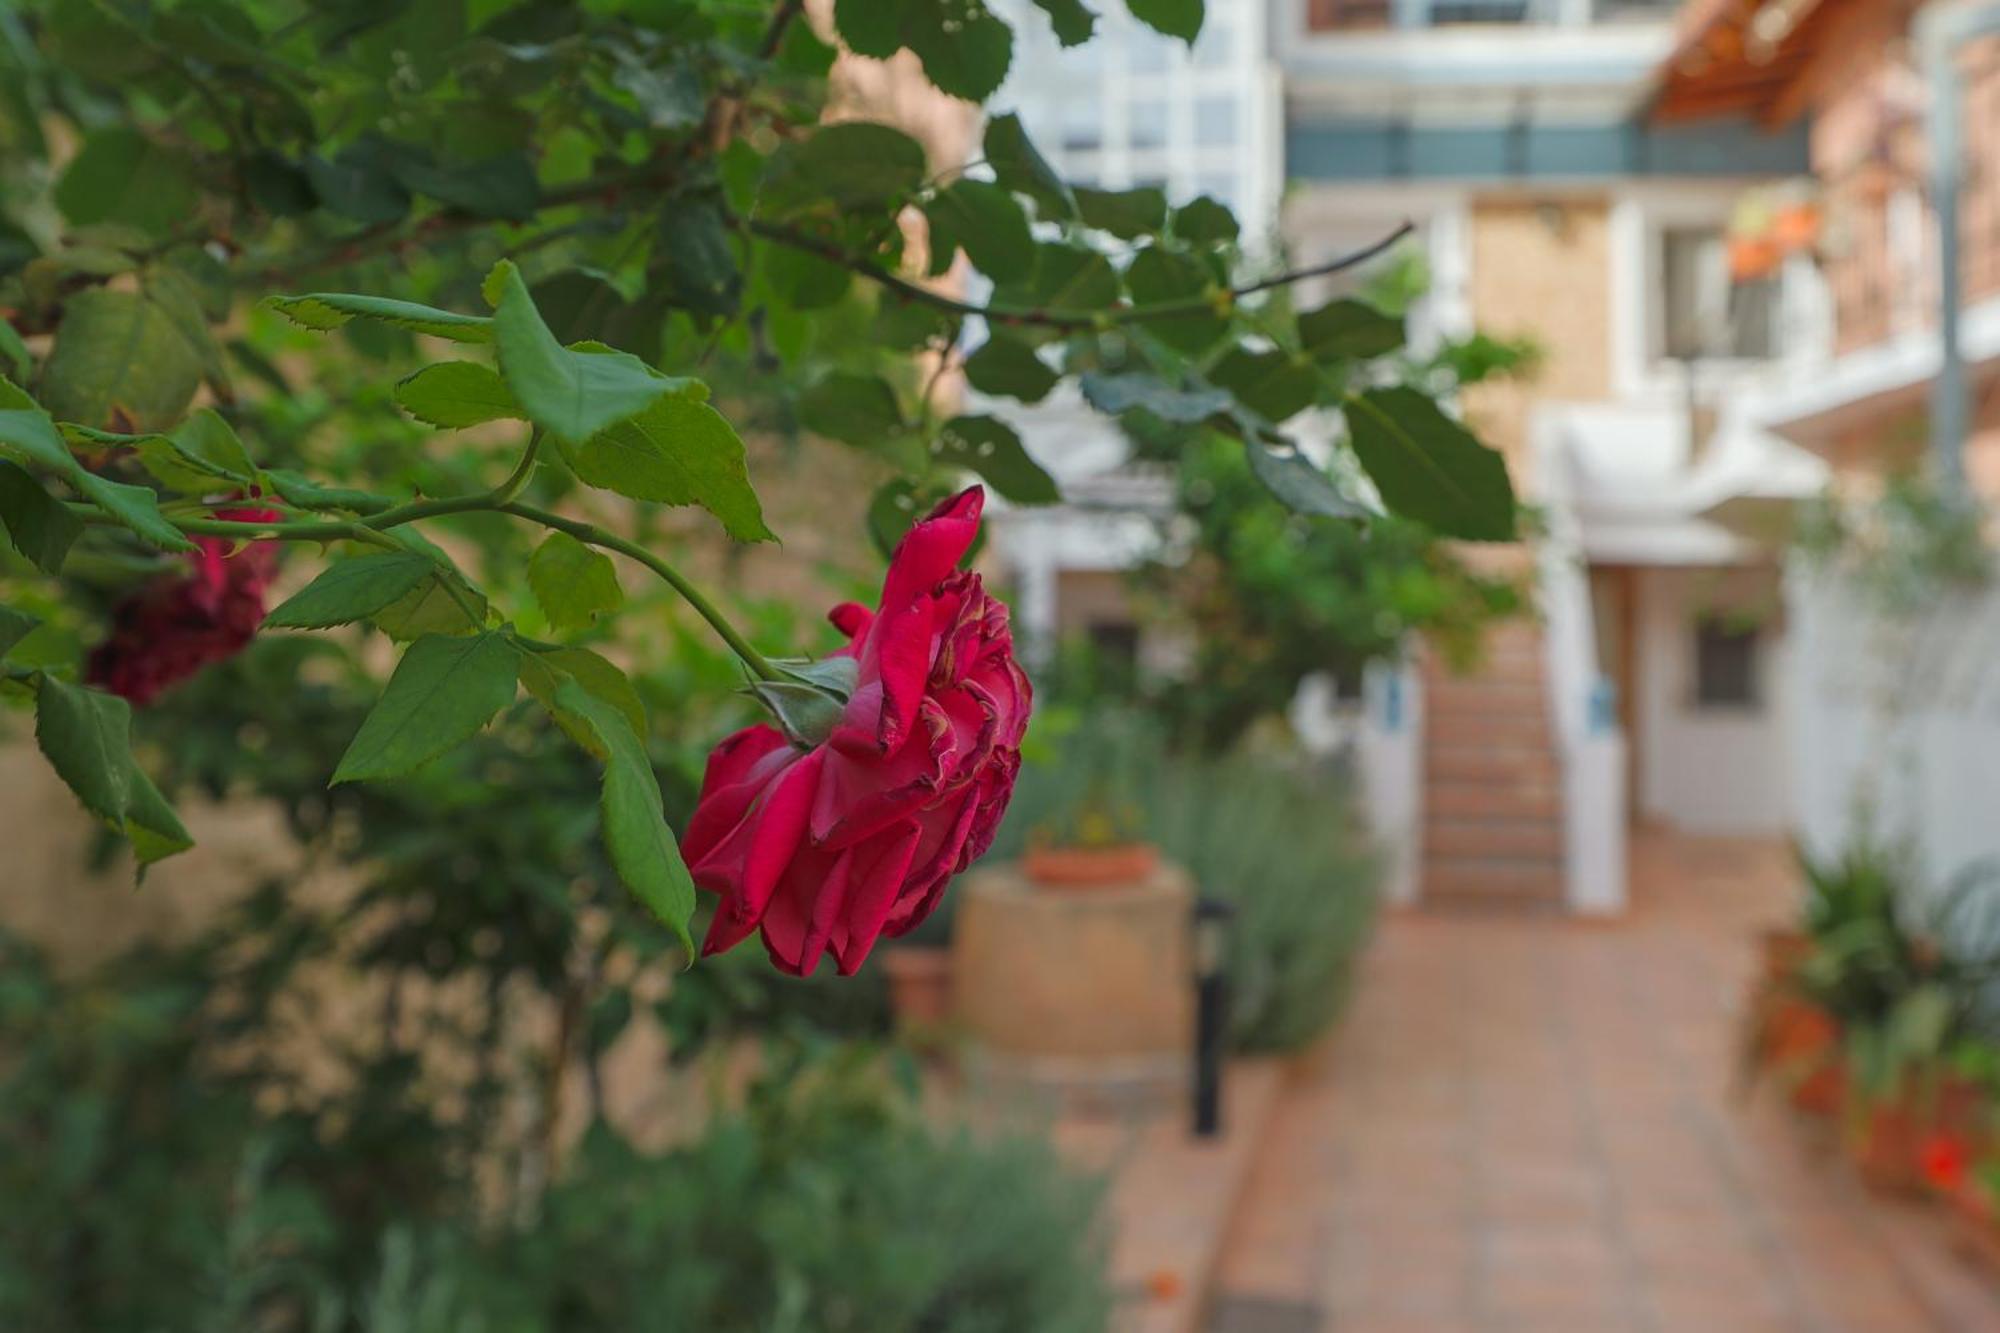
1211 1013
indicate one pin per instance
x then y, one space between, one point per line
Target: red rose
174 627
855 837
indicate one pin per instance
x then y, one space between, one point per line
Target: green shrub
1276 840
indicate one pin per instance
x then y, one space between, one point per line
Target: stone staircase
1493 832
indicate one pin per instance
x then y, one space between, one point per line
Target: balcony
1324 16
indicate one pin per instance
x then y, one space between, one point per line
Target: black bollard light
1211 1012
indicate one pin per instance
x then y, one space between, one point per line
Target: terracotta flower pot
1799 1042
1898 1144
1783 951
1886 1147
920 985
1090 867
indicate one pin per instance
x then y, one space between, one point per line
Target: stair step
1491 800
1471 730
1492 879
1520 838
1459 697
1489 763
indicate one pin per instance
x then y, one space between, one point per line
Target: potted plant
1096 842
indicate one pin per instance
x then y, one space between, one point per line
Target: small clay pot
1783 951
920 985
1090 867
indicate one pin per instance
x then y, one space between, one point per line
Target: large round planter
1088 995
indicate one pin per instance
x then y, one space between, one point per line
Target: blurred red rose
832 846
173 627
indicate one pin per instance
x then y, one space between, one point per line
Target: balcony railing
1350 15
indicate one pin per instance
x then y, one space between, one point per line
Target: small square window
1725 664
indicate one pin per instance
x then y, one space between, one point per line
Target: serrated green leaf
431 608
1300 484
119 362
32 434
701 270
1175 18
1072 280
982 219
151 825
456 394
441 694
542 669
1349 329
14 627
1006 367
324 311
1428 467
1124 213
85 734
680 451
297 489
573 583
35 522
358 184
989 447
642 847
571 392
200 456
15 360
1072 20
803 279
1113 394
350 590
965 50
852 408
1019 167
119 175
1270 382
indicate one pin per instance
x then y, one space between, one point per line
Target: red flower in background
832 846
1945 1163
174 627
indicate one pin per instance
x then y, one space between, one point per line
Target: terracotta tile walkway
1532 1125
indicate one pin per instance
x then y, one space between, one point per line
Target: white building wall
1898 723
1707 769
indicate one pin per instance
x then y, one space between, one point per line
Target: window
1703 313
1215 122
1725 663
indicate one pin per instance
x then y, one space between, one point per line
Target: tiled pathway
1532 1125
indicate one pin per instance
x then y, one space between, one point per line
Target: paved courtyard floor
1535 1125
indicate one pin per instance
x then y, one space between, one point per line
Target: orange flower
1945 1163
1163 1284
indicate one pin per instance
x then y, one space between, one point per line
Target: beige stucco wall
1541 267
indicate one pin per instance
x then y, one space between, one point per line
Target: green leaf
200 456
441 694
1006 367
86 736
297 489
849 164
1019 167
1175 18
358 184
1272 383
120 175
15 361
963 47
456 394
543 669
983 219
1114 394
573 583
120 362
14 627
1124 213
1072 21
30 432
803 279
1300 484
1204 221
1349 329
1428 467
571 392
852 408
680 451
1161 277
431 608
642 847
36 523
350 590
989 447
500 186
701 270
329 310
1072 280
206 437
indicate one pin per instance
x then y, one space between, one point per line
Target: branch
1062 319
